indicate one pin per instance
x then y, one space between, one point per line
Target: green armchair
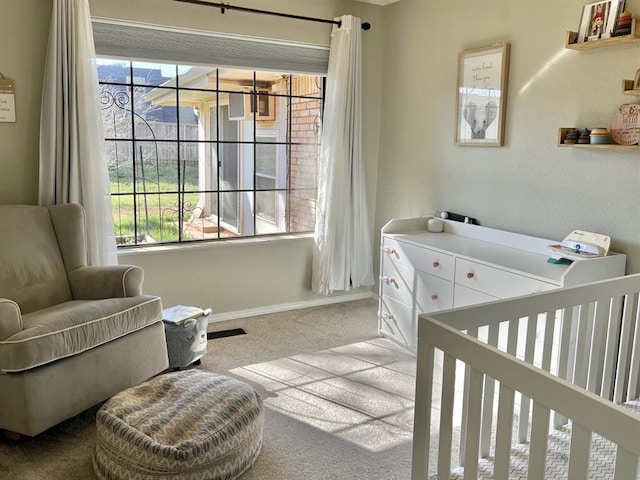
71 335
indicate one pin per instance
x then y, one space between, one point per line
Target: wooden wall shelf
627 88
633 37
562 133
627 85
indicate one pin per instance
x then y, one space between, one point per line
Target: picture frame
598 20
481 95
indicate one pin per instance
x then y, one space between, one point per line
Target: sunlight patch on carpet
362 393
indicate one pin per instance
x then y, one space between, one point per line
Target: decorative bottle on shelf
584 136
571 137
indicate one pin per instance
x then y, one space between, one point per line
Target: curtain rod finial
366 26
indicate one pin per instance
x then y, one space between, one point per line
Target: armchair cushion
33 273
74 327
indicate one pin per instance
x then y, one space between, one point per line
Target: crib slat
525 402
634 374
565 339
472 443
579 453
539 439
547 347
472 332
564 368
422 416
626 465
446 415
583 343
597 347
611 352
503 433
573 341
512 336
626 342
494 331
488 398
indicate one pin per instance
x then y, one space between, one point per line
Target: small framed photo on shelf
599 19
481 95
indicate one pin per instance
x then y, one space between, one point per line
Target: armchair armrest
10 318
111 281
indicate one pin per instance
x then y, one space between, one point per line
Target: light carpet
339 401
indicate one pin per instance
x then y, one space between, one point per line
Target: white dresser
423 272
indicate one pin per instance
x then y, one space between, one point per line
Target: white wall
23 45
529 185
410 57
251 275
230 276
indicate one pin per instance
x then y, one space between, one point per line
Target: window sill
175 247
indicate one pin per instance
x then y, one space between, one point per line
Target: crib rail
566 356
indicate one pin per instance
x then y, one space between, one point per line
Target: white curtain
72 160
342 257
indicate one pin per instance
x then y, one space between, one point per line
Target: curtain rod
227 6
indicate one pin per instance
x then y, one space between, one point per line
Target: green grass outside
157 212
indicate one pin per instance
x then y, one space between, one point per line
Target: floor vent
225 333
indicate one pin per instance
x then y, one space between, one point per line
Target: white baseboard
283 307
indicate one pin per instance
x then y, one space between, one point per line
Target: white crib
535 387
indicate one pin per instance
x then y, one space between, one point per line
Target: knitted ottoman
186 425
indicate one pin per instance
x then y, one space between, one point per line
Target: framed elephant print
481 96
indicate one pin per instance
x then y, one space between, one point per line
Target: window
202 153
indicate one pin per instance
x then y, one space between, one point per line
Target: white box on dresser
423 272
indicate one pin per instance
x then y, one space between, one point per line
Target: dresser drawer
433 293
463 297
399 322
397 281
425 292
421 258
496 282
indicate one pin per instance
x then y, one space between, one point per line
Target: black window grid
181 192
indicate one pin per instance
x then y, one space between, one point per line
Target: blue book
181 313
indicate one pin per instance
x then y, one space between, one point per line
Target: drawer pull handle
470 275
434 297
436 264
389 281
